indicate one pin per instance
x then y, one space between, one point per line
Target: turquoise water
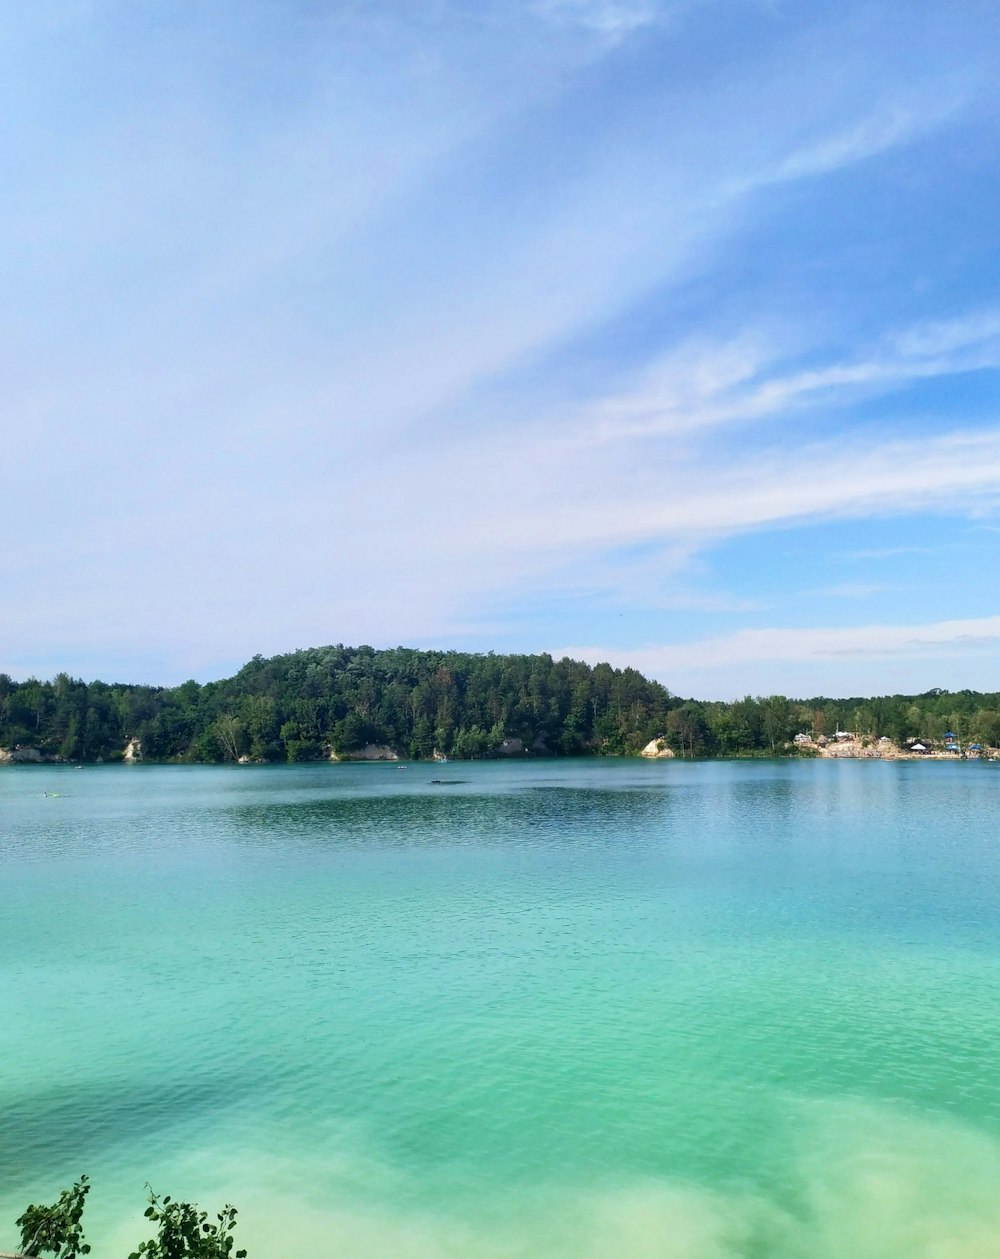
689 1011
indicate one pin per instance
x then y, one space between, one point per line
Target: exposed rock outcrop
370 752
23 756
133 751
657 749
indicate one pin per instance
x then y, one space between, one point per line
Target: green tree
228 731
776 713
986 727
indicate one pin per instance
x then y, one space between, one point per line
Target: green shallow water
689 1011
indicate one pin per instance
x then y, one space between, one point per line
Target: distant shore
865 748
885 750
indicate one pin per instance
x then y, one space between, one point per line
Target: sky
662 332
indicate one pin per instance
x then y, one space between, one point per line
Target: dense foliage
307 704
763 726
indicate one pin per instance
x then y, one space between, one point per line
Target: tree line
765 725
305 705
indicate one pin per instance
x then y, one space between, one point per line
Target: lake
540 1010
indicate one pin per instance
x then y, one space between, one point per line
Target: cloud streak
701 386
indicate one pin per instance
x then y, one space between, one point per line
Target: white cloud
612 19
851 590
762 661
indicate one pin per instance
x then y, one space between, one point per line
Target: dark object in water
447 782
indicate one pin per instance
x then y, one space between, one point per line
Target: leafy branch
186 1233
55 1230
183 1232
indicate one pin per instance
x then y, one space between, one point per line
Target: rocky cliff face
133 751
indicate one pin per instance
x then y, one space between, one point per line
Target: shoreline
856 750
844 751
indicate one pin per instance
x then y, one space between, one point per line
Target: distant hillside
356 701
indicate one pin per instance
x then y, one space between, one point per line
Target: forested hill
309 704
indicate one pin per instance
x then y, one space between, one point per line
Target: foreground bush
183 1232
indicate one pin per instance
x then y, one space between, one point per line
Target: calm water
587 1009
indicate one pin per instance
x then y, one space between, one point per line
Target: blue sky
661 333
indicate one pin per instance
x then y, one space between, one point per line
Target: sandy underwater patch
853 1181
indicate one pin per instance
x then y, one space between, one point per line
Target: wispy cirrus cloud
872 134
702 384
495 528
889 552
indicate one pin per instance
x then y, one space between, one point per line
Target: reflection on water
565 814
561 1008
